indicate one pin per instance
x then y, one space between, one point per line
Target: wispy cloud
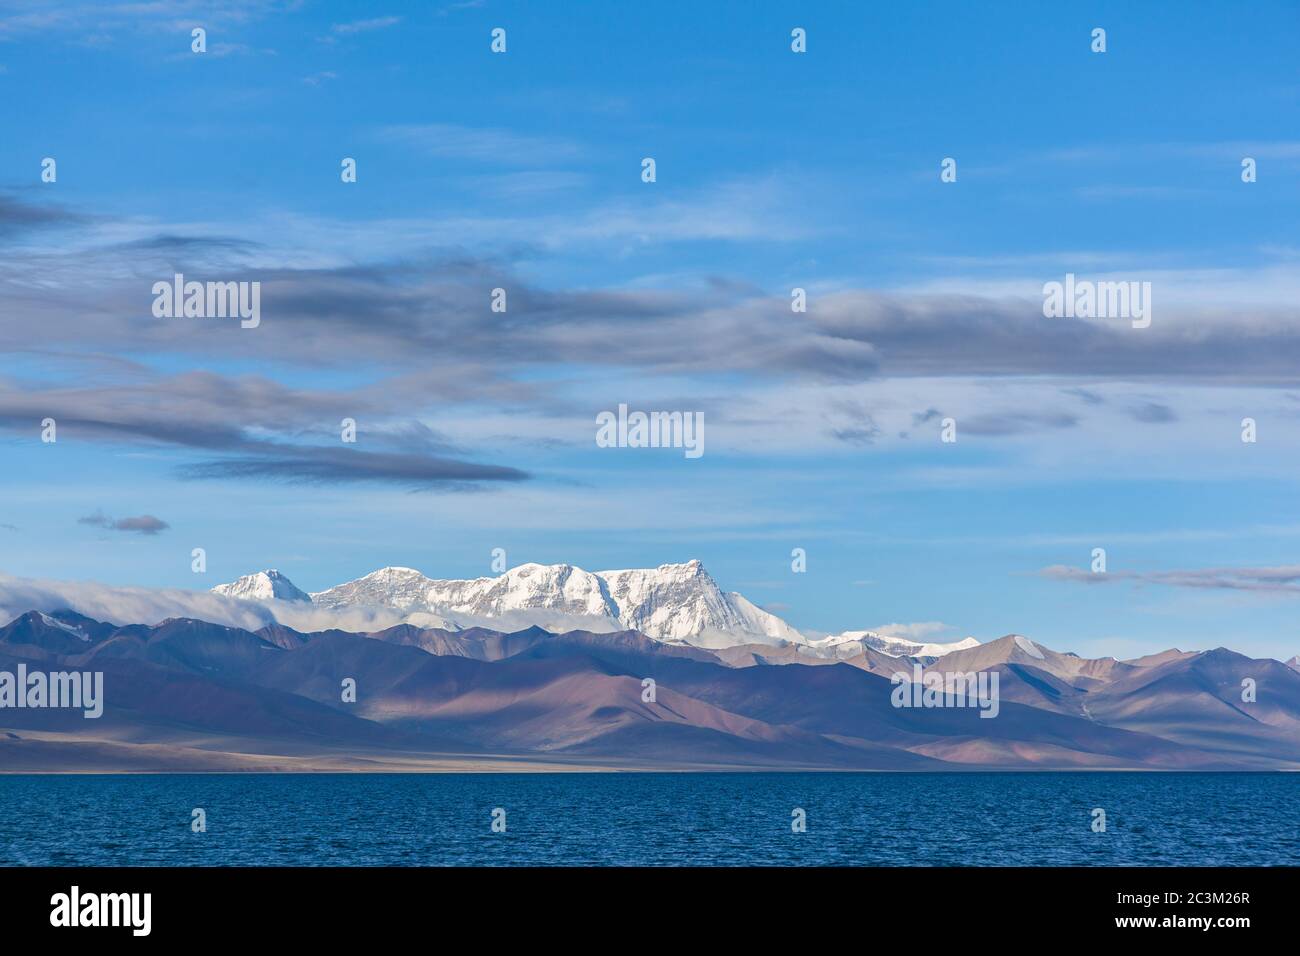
140 524
529 184
315 465
421 321
97 19
365 26
462 5
1016 422
1152 413
1285 578
18 217
481 144
254 429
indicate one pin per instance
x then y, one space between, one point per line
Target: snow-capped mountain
681 602
892 646
674 603
263 586
72 629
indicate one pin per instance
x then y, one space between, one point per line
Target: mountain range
186 694
673 603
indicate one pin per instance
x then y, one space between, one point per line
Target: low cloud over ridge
133 605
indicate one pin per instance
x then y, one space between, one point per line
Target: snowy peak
72 629
673 602
681 602
263 586
401 588
891 646
63 632
552 587
558 587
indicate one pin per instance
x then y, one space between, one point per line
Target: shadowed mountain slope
623 699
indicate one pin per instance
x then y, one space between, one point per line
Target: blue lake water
931 819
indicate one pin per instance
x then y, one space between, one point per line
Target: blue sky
774 170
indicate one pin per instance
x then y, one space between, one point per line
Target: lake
633 819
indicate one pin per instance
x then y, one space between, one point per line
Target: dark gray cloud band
228 419
423 331
432 310
1281 578
139 524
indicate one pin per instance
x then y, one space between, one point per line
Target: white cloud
365 26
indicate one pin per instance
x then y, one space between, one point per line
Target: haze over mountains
557 667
